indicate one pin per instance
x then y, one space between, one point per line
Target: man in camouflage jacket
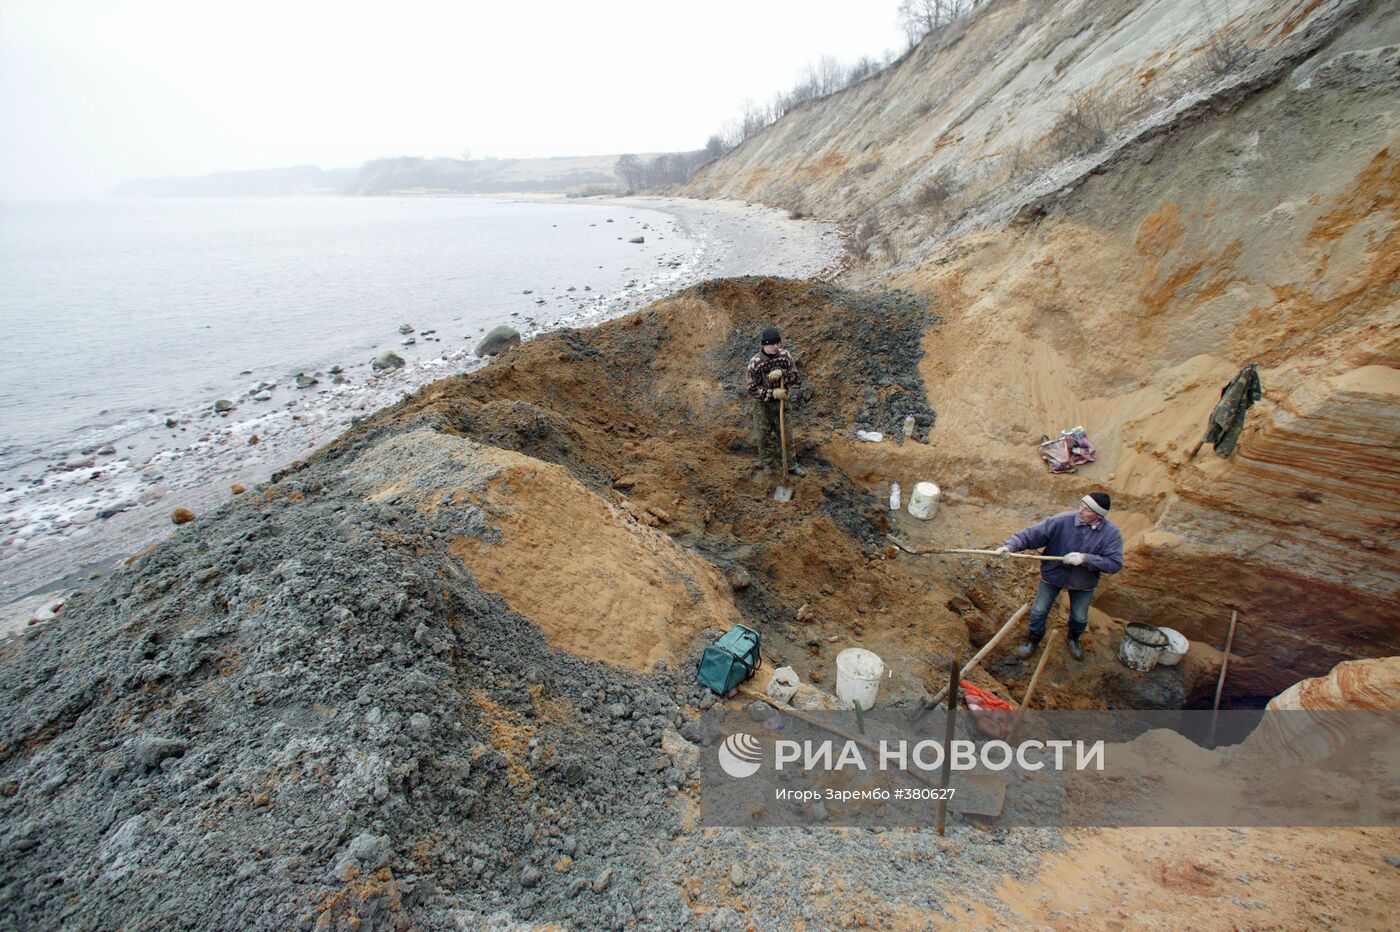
765 396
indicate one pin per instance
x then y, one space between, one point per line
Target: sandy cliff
1234 213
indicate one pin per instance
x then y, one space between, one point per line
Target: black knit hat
1098 502
770 335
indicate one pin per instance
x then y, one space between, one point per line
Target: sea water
114 311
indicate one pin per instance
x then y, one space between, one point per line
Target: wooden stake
1035 678
1220 684
954 672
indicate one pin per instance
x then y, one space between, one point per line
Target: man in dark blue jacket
1090 545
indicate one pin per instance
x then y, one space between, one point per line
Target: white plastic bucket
858 673
1177 646
924 500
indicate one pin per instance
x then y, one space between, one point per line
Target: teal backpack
729 661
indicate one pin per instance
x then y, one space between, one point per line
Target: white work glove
1074 559
1002 551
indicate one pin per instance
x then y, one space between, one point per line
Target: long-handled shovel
988 553
783 493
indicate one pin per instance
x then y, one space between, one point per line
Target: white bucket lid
1177 642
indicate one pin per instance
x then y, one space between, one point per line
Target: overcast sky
93 92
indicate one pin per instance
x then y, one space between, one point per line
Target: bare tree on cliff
753 120
918 18
716 146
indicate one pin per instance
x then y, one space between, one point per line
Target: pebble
603 881
151 751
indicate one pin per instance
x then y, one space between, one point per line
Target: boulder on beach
387 361
498 341
306 381
405 328
181 516
238 489
637 239
223 406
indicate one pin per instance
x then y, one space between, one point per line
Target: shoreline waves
114 491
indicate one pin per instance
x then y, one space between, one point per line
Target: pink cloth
1065 453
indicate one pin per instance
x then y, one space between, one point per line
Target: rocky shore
89 506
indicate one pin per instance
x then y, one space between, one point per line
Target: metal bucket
1141 646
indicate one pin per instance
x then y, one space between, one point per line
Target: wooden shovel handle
991 553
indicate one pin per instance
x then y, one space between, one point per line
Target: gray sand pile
301 706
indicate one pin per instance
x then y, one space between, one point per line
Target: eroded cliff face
1251 216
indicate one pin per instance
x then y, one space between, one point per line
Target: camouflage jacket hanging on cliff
759 367
1227 420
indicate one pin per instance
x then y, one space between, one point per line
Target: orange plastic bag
991 714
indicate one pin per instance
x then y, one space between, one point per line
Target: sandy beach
79 521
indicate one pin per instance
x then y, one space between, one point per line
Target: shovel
783 493
990 553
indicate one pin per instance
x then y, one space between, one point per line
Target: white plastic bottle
894 495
